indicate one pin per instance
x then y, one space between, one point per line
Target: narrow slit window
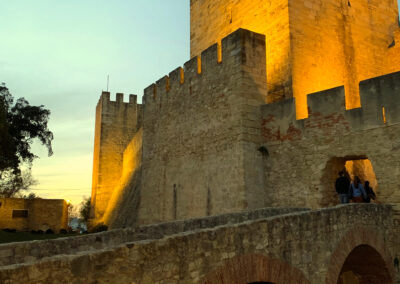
198 64
219 50
182 76
384 115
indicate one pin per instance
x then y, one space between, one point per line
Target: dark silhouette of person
342 186
370 193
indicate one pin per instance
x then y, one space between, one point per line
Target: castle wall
41 214
305 155
393 58
123 205
116 124
336 43
201 125
213 20
311 45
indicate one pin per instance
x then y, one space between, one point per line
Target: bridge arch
361 247
255 268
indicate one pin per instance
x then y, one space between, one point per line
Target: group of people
353 191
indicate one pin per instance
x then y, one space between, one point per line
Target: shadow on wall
359 166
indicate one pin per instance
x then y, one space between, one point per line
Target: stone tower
311 45
220 133
116 123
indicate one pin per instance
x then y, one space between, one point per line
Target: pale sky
59 53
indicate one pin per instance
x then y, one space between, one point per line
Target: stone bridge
263 246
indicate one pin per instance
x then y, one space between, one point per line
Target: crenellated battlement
119 98
380 106
218 62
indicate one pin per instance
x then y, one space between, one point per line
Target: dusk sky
59 53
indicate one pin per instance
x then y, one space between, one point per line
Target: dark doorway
364 265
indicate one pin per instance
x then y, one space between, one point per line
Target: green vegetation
20 125
84 211
7 237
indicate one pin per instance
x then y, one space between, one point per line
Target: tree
84 211
20 125
12 185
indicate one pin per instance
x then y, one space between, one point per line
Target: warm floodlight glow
384 114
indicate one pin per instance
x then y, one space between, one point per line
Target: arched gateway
252 269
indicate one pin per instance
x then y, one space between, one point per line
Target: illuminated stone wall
116 124
201 133
306 155
207 147
393 58
311 45
122 207
338 43
213 20
42 214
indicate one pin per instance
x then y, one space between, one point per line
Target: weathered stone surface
41 214
29 251
302 247
312 45
305 155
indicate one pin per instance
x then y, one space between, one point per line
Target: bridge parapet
303 242
16 253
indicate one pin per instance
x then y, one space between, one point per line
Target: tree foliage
84 211
20 125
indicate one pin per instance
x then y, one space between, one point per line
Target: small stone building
33 214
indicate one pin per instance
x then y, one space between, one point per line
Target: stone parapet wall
302 247
380 106
27 252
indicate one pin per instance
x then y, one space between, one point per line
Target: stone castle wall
311 45
200 124
116 124
304 156
268 17
42 214
211 145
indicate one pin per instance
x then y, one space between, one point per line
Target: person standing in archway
357 191
370 192
342 185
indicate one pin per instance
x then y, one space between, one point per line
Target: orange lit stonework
312 45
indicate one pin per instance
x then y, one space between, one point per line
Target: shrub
49 232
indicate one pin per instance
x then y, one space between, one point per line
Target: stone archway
361 247
359 166
365 265
255 269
